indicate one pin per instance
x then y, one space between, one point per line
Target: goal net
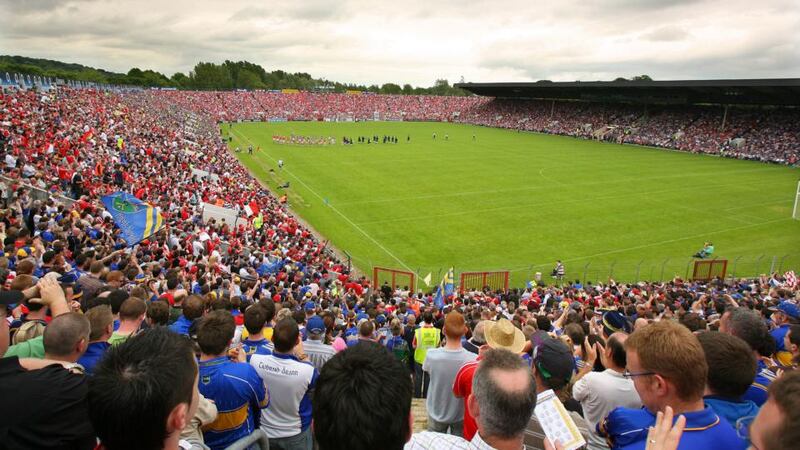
394 278
710 269
495 281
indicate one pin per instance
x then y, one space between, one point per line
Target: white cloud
418 41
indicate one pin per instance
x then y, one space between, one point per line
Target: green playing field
491 199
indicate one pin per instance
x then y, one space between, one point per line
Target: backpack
28 330
400 349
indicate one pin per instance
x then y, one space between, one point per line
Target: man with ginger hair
668 368
445 411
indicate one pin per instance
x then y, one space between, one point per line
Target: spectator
363 375
8 298
784 315
32 324
791 342
366 329
668 368
158 314
144 392
775 427
731 370
291 379
397 344
53 297
445 411
503 399
499 335
90 283
600 392
269 308
425 337
315 347
553 367
101 321
748 326
44 400
234 387
131 316
477 340
255 317
192 309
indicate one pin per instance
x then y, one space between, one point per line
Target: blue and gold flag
444 290
136 219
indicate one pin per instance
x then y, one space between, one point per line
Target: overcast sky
419 41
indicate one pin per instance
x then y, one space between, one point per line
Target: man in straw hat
501 334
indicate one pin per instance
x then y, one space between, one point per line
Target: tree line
228 75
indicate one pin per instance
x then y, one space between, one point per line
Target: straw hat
503 334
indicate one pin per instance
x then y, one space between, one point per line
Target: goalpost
796 210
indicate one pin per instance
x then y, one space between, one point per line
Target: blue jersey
259 347
94 352
181 326
626 429
757 392
239 394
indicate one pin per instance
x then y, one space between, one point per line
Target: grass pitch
515 201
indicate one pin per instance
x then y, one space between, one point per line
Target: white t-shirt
443 364
599 393
290 384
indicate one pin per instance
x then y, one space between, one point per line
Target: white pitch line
354 225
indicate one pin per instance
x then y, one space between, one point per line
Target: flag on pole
427 279
136 219
444 290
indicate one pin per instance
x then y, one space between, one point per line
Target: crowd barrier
650 270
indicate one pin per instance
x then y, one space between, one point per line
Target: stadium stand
66 147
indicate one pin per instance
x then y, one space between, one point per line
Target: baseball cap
614 321
310 306
788 308
315 325
554 362
380 318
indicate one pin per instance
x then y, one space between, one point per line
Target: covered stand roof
764 92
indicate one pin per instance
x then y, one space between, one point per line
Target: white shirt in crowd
599 393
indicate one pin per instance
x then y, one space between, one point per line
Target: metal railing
661 269
245 443
35 192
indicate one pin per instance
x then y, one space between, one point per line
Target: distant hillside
210 76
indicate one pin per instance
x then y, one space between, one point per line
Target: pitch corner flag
427 279
136 219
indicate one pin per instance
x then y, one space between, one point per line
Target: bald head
478 338
503 394
615 352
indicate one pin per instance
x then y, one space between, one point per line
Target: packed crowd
756 134
260 105
207 332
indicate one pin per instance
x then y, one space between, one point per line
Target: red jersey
462 388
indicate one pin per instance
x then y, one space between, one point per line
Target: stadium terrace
230 333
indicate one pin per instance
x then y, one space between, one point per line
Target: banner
211 211
136 219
